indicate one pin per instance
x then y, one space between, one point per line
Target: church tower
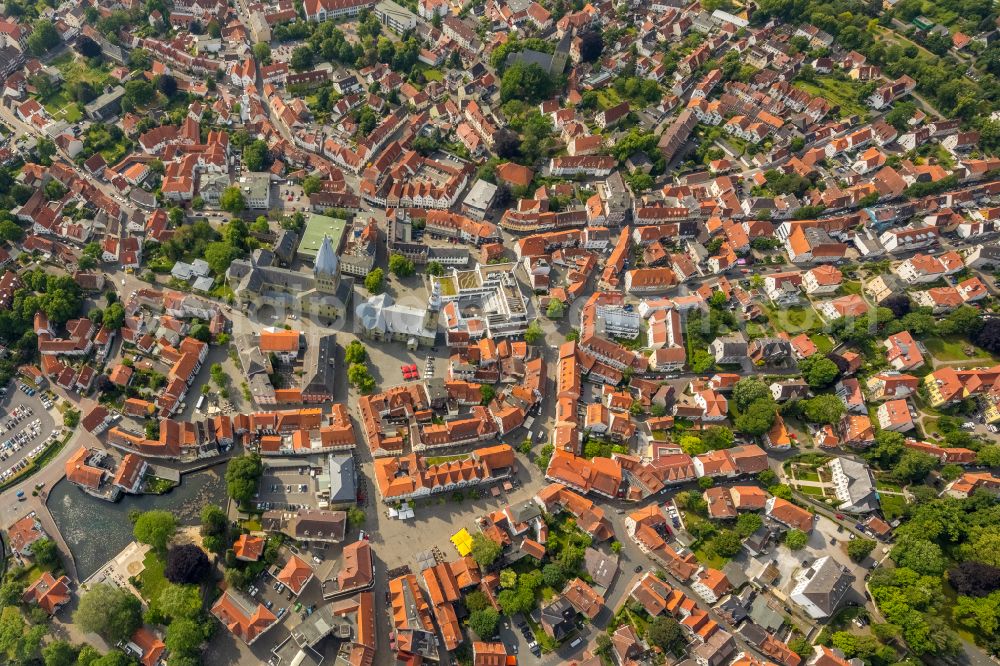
327 268
433 305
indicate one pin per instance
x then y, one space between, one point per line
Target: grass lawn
806 476
841 93
793 320
433 75
438 460
709 558
76 69
34 572
608 97
892 506
756 331
810 490
823 342
61 107
931 427
952 349
850 287
152 580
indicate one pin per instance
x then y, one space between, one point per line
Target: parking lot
293 198
26 427
288 488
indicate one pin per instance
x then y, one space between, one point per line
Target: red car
840 516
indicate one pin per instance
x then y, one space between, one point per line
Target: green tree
989 456
114 316
534 334
262 52
232 200
819 371
219 256
923 556
508 579
485 551
45 552
214 526
359 377
483 622
54 190
801 646
59 653
302 59
11 633
887 449
692 445
796 539
375 281
400 266
311 185
11 591
718 438
825 408
106 610
155 528
552 575
355 352
256 157
139 92
749 390
556 309
758 417
476 601
748 523
487 393
43 37
781 490
433 267
176 602
10 231
665 633
356 516
88 655
914 466
242 476
859 549
184 636
529 83
727 543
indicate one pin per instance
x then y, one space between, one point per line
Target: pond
96 530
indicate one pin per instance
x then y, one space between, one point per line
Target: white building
256 190
854 485
395 17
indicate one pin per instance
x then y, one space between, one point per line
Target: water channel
96 530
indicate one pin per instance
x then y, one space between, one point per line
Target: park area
955 348
839 92
80 81
793 320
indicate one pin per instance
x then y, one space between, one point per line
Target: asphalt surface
23 427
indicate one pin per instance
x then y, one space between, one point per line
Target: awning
463 542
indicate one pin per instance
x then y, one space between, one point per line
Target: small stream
96 530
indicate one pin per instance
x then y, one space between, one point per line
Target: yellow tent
463 542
